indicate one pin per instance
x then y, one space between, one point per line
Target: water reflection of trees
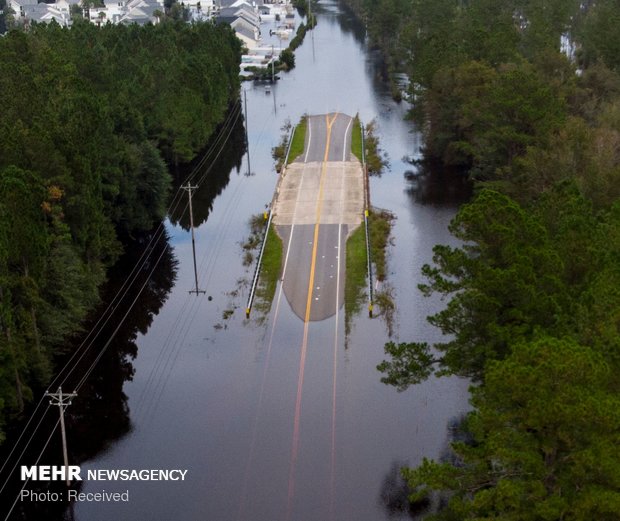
431 184
100 413
221 160
394 495
350 24
395 492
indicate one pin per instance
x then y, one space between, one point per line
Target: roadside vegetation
287 56
379 228
532 300
270 272
374 161
271 263
356 139
366 146
299 139
87 127
296 147
356 276
356 280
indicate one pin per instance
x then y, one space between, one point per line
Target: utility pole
62 400
311 26
247 142
189 189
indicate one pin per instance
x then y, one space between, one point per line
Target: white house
46 13
31 11
17 6
142 12
245 21
112 12
126 12
199 10
248 33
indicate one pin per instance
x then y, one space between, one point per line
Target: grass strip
299 140
356 139
379 228
270 271
355 279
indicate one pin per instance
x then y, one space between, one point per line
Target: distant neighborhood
244 16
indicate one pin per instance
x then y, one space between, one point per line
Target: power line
225 130
62 400
36 463
189 188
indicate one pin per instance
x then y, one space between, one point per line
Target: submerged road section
319 202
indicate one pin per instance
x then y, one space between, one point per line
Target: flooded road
271 427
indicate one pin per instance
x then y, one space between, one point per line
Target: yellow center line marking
319 207
304 345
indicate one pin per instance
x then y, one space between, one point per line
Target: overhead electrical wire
218 145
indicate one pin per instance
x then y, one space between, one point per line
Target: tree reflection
100 414
394 496
221 159
395 492
432 184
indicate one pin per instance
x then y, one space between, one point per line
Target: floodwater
189 383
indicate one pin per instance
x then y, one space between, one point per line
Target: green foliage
89 117
356 139
532 318
598 33
532 292
287 58
270 271
356 273
374 161
379 228
504 283
545 440
485 118
299 140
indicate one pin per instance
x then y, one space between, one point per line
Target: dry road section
319 202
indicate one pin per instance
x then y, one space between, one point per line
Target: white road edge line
290 237
309 126
344 146
340 259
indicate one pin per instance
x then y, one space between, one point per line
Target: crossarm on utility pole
62 400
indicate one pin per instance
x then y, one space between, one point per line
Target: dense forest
524 97
90 118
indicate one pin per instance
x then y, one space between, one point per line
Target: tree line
524 97
90 118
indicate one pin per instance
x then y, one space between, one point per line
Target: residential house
139 12
59 12
199 10
18 7
244 19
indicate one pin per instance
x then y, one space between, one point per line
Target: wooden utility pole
62 400
189 189
247 143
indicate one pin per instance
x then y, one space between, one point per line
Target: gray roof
24 3
245 31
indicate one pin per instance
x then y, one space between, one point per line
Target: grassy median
356 273
379 227
356 139
299 140
270 271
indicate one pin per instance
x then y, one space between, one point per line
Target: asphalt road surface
320 200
